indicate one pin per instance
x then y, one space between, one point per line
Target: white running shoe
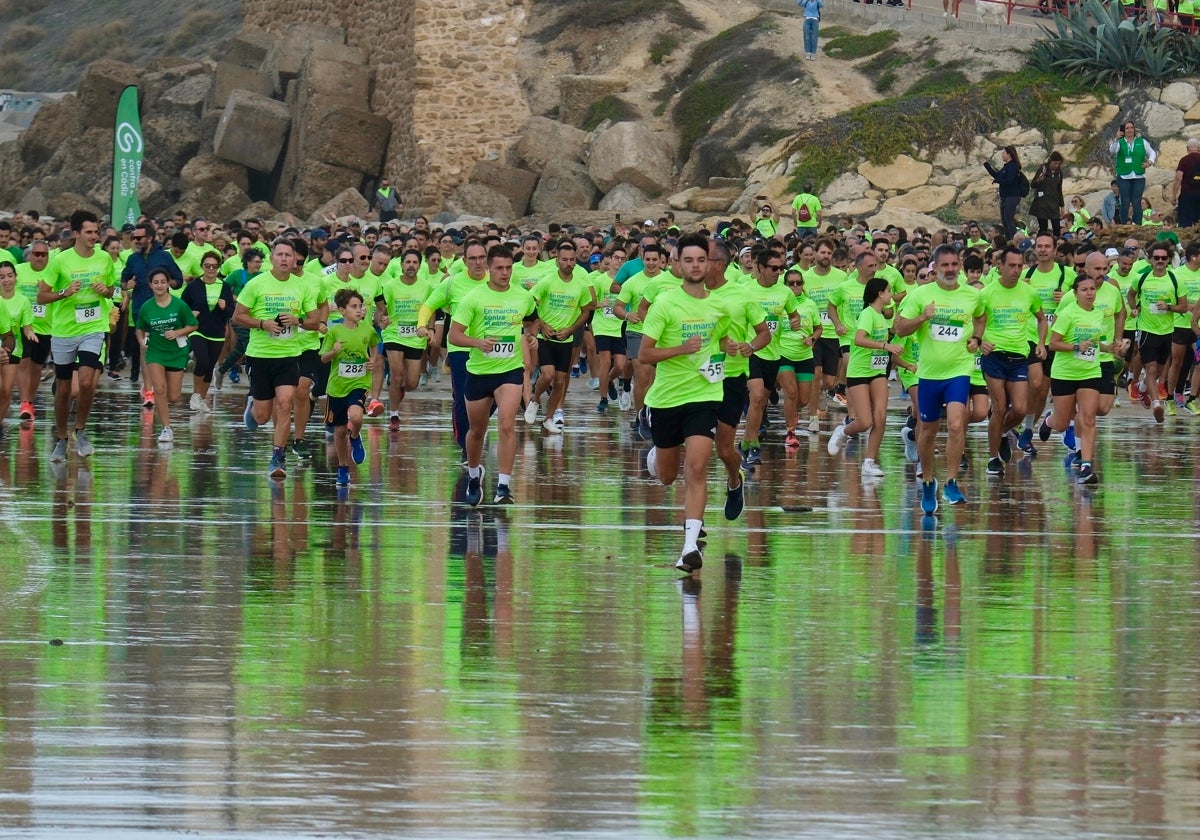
870 469
166 436
836 439
196 403
531 410
624 400
814 425
550 426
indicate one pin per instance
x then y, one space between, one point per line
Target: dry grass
108 40
22 35
193 29
12 71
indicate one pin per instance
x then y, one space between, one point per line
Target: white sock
505 479
691 533
475 472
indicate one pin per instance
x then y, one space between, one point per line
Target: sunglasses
1159 257
796 283
774 267
921 275
346 260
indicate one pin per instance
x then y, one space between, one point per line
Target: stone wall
444 75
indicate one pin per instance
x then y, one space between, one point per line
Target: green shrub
883 70
12 71
662 47
608 108
850 47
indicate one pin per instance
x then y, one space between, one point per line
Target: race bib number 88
87 314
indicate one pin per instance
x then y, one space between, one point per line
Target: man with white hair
1185 189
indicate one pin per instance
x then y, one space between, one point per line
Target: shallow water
257 659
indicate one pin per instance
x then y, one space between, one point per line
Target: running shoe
870 469
1007 442
196 403
1162 390
910 444
1135 391
343 476
423 381
1189 407
602 406
575 372
276 468
1068 438
559 420
248 415
594 383
952 495
113 375
836 440
929 501
436 370
300 449
147 398
751 456
1145 398
612 390
624 400
27 411
1156 409
503 495
1025 440
840 399
995 467
550 426
1044 429
1087 475
235 375
357 453
394 422
652 462
531 411
814 425
217 379
59 453
166 436
690 561
83 446
643 427
375 408
791 441
735 498
475 489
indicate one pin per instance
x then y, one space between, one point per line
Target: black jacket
212 321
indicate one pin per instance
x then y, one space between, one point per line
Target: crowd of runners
686 336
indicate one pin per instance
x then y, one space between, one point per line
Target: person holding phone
1131 155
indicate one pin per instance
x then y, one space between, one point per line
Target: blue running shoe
248 416
343 477
474 493
952 495
276 469
235 374
1025 440
1068 439
357 452
929 501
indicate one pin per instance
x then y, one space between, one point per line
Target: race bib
87 314
825 319
286 332
879 362
1050 317
407 331
773 326
352 370
39 310
504 348
608 312
713 369
947 332
182 341
1158 309
1088 355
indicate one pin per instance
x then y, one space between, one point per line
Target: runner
273 305
163 325
565 299
609 333
36 351
313 373
1154 298
490 322
1183 339
399 305
871 356
796 359
1008 305
348 349
211 301
17 312
819 283
629 307
1051 280
78 287
947 320
683 338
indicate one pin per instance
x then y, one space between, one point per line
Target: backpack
1141 281
1062 274
804 214
1022 184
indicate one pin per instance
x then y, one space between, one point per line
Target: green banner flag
127 159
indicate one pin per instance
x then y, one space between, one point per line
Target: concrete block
230 77
350 137
252 130
100 89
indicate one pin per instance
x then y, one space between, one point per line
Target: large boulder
228 77
924 199
1159 121
545 140
624 197
907 219
903 173
848 186
261 210
315 183
287 54
249 48
222 203
1080 110
171 141
252 130
565 185
855 207
712 158
480 200
348 202
577 94
1181 95
1016 135
187 98
211 172
33 199
350 137
62 205
713 201
154 84
515 184
629 152
52 126
100 89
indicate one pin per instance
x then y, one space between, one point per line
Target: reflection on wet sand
242 656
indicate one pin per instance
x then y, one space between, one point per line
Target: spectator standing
1047 204
812 24
1131 155
387 200
1008 178
1185 190
1108 207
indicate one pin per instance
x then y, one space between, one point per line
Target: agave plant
1095 42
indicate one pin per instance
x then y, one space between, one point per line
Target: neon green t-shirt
695 377
847 299
1075 324
943 340
403 303
527 276
449 293
560 302
488 313
744 315
604 321
348 370
1154 295
20 314
1009 312
27 285
1189 287
819 287
791 342
84 312
865 361
265 296
778 303
1109 303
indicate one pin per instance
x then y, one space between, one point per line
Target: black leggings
205 353
1048 225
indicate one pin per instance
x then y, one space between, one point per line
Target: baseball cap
1112 253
